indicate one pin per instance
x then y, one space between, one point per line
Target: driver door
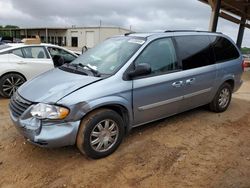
158 94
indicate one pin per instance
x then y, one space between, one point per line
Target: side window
160 55
17 52
35 52
194 51
67 56
60 52
53 51
223 49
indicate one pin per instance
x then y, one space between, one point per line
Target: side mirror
140 70
84 49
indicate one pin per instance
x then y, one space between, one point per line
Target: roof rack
190 31
166 31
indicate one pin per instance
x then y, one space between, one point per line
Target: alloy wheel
104 135
224 97
11 84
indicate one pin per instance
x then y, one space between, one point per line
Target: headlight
46 111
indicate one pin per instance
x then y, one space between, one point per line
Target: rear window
17 52
224 50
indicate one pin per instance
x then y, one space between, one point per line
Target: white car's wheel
9 83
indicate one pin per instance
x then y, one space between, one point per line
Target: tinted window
17 52
160 55
224 49
35 52
194 51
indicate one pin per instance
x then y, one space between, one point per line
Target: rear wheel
222 98
9 83
100 133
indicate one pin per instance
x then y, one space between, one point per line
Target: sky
140 15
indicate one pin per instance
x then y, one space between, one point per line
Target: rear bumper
45 134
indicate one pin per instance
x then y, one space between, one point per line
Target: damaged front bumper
46 134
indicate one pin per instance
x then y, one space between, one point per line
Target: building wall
100 34
53 35
84 35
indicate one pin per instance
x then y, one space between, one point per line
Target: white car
21 62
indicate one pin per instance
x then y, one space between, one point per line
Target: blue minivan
124 82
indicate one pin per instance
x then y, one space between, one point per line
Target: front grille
18 105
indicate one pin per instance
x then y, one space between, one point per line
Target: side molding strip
153 105
197 93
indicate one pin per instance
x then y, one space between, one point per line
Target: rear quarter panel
230 70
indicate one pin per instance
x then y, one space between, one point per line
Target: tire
102 127
9 83
222 98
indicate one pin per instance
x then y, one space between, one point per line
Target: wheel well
13 72
231 82
121 110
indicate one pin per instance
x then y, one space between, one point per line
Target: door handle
21 62
190 81
177 84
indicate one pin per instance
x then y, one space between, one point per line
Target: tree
5 31
245 50
11 27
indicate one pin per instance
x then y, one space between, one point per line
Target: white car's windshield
108 56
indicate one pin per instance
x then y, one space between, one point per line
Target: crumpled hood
53 85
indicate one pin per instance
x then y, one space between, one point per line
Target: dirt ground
194 149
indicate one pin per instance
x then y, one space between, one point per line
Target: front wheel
9 83
100 133
222 98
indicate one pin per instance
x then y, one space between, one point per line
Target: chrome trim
157 104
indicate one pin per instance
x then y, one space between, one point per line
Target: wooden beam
212 4
232 19
247 26
234 6
229 17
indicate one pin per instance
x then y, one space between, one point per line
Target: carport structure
236 11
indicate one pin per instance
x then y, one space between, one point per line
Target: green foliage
245 50
11 26
5 31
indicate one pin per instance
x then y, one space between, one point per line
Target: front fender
79 110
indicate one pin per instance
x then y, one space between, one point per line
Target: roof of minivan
170 32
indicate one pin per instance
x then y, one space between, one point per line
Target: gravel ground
197 148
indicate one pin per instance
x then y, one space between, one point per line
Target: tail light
243 65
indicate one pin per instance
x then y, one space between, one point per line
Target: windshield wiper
95 72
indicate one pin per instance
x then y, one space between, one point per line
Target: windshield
110 55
